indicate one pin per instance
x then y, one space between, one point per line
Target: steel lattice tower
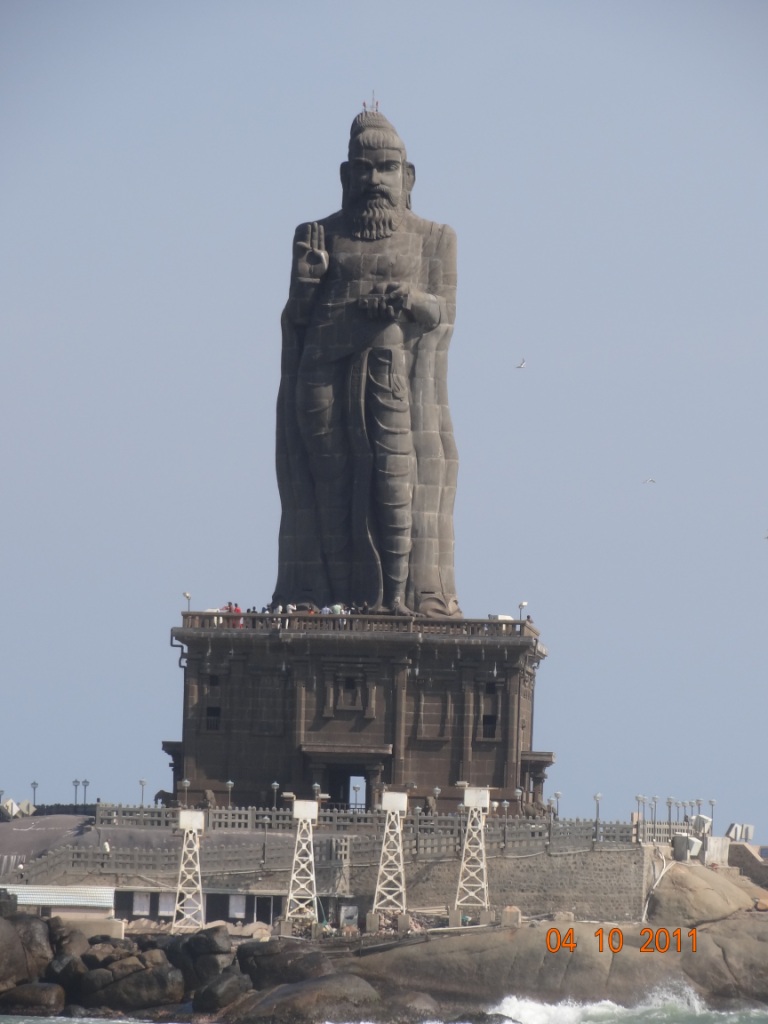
390 883
472 892
302 893
189 915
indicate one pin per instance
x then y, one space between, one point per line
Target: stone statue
366 459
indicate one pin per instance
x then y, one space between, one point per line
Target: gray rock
416 1005
209 940
731 958
154 986
66 970
102 954
282 961
690 894
154 958
71 940
221 992
38 998
35 939
128 965
331 997
13 960
94 981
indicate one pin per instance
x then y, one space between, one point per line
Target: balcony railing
307 622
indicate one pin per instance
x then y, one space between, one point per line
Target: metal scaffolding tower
390 883
302 892
189 915
472 892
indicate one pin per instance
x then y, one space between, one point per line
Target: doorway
347 786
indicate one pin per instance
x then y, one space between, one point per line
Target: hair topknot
378 132
370 119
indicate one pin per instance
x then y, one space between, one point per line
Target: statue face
376 172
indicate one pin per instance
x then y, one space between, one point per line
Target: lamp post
188 597
34 792
356 790
265 821
519 799
698 801
597 798
275 788
142 783
712 815
86 784
185 784
76 784
436 793
670 802
316 790
645 819
523 604
229 785
558 794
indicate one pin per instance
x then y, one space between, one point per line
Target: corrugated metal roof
63 895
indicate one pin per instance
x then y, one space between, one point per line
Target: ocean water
681 1007
660 1008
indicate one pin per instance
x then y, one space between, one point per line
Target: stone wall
747 859
603 884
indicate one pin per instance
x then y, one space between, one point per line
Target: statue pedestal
306 700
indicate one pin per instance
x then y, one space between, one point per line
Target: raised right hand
309 254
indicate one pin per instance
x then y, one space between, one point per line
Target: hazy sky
604 165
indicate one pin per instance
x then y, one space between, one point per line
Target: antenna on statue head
374 103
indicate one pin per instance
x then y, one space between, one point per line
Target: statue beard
374 215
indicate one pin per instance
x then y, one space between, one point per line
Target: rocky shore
703 932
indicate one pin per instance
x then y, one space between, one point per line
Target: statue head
377 178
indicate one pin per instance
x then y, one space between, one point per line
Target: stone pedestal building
315 700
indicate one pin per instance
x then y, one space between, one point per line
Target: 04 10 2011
652 940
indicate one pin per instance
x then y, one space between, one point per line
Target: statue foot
399 608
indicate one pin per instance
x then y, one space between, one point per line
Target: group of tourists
280 614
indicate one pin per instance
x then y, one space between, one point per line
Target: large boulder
282 961
690 894
731 958
214 939
36 998
484 967
333 997
153 986
66 939
199 956
35 940
66 970
221 992
13 959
